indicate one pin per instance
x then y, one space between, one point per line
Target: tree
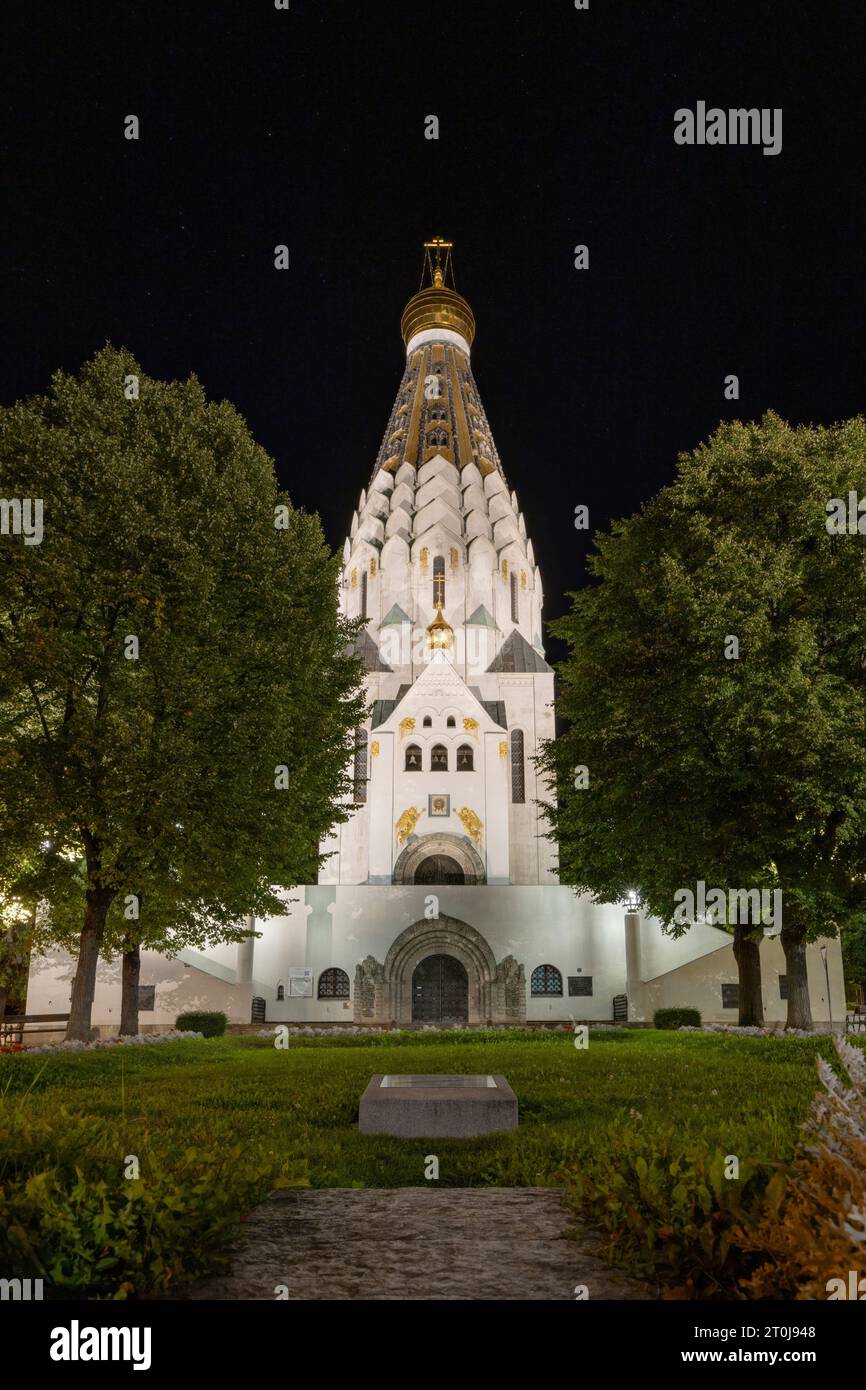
177 701
854 956
741 762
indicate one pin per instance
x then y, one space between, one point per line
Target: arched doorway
440 991
439 868
445 850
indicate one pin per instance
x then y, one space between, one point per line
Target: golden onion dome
440 633
437 306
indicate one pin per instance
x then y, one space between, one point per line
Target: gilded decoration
471 726
471 824
424 557
406 824
407 726
522 579
373 569
374 748
503 748
354 579
454 558
504 569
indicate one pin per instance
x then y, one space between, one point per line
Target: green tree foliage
155 775
748 772
854 955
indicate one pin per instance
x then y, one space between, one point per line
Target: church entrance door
439 868
440 991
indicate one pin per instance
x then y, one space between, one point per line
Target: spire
436 305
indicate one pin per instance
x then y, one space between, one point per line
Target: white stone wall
539 925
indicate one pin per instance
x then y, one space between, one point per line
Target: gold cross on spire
437 270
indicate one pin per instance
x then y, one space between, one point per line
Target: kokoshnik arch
439 900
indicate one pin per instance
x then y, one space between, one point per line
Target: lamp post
633 978
823 950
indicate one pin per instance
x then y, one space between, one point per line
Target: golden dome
440 634
437 306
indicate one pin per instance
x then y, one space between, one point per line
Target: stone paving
414 1243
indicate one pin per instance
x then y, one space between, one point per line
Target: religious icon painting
438 805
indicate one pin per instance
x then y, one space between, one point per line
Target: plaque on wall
146 998
300 981
579 984
730 996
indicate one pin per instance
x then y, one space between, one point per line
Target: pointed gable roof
515 654
438 681
481 618
395 615
365 648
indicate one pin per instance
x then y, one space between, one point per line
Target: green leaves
158 772
745 772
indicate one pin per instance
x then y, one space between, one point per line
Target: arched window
518 784
363 608
546 979
413 758
359 774
427 722
333 984
464 758
439 581
451 722
281 991
439 758
515 611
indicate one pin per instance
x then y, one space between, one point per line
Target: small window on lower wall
545 979
146 998
730 996
333 984
783 986
579 984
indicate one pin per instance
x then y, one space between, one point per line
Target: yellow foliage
813 1228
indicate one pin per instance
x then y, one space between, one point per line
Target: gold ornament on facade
471 824
440 634
523 579
354 579
504 569
454 558
406 824
374 748
503 748
471 726
407 726
373 567
424 557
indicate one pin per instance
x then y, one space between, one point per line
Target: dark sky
306 127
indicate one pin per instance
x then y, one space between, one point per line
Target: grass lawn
638 1126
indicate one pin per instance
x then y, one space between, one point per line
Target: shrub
72 1217
813 1227
667 1207
210 1025
676 1018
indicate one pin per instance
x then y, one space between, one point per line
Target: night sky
306 127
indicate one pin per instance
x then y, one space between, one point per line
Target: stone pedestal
437 1107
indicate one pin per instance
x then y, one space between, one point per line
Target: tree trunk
747 953
799 1005
98 901
129 992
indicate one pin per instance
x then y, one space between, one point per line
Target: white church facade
438 901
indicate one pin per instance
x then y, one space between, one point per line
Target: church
438 902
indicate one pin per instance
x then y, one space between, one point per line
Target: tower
438 565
